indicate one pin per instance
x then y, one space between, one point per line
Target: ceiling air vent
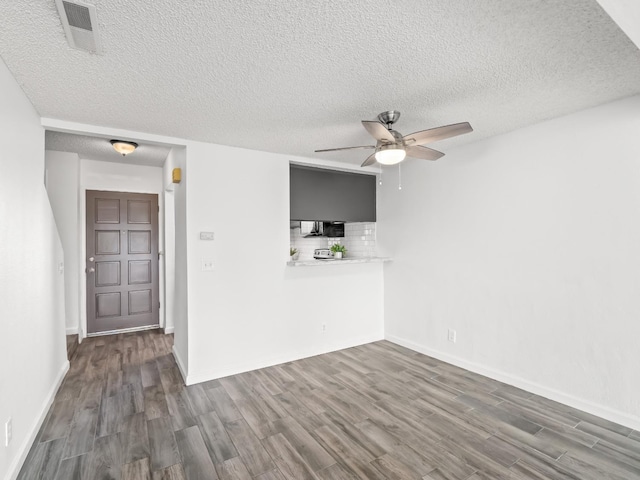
80 24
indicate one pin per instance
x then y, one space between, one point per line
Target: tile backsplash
359 238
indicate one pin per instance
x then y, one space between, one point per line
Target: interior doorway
122 261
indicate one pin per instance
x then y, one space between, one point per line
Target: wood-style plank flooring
378 411
72 345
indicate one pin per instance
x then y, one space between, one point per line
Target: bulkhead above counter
320 194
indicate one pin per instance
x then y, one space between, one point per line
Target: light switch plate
452 336
206 236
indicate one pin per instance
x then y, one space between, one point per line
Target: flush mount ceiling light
123 147
390 154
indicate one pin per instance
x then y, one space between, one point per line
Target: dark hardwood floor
72 345
376 411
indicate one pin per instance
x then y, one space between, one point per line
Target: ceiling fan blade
378 131
438 133
344 148
371 159
424 153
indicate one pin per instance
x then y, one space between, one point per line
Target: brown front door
122 261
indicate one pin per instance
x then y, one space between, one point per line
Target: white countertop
344 261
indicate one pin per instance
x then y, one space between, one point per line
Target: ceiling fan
391 147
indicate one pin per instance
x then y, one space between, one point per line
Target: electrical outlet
207 265
8 432
452 335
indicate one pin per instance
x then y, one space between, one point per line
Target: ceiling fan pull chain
380 179
399 176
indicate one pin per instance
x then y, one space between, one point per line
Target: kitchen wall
359 239
33 356
528 245
252 310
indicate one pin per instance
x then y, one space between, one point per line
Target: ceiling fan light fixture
123 147
392 147
390 155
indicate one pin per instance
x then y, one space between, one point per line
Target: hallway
98 422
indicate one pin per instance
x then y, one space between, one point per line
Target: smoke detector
80 24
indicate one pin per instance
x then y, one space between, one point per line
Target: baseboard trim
124 330
602 411
183 371
16 465
169 330
72 330
277 360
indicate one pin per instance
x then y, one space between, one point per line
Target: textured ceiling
95 148
292 77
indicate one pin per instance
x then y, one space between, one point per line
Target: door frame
82 226
149 319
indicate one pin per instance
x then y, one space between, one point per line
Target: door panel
122 261
107 242
107 210
139 272
140 302
108 305
138 212
139 242
107 274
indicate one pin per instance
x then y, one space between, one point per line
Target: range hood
322 229
311 229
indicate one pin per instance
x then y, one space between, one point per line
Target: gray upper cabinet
331 195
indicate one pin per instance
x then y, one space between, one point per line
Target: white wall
176 255
253 310
118 177
62 174
32 345
528 244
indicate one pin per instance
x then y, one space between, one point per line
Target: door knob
91 259
91 270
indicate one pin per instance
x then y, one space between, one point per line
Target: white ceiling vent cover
80 24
